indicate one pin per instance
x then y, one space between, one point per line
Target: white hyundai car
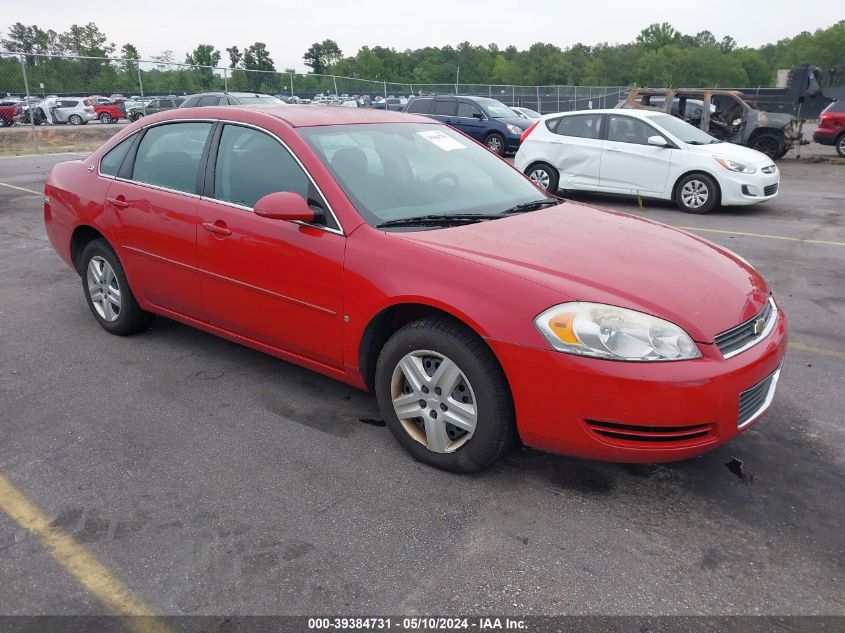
644 153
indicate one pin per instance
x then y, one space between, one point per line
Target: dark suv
486 120
156 105
831 130
229 98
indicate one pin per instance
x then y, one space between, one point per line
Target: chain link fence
47 101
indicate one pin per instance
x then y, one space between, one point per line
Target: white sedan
644 153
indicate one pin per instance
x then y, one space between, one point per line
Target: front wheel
495 142
444 396
108 293
769 144
544 176
697 193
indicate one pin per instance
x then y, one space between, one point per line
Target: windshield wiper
532 206
436 220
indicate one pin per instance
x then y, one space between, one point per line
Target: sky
289 28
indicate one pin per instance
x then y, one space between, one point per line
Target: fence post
334 83
291 84
225 80
539 109
141 88
385 88
575 97
29 104
558 98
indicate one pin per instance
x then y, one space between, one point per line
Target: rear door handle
117 203
217 229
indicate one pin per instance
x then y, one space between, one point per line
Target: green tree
321 56
656 36
236 58
257 58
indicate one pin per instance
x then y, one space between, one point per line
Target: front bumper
740 189
636 412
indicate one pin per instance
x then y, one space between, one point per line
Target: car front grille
738 339
753 401
638 433
770 190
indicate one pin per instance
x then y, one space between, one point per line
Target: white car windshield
682 130
398 171
260 101
496 109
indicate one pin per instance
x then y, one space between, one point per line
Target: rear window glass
446 108
421 106
169 155
110 163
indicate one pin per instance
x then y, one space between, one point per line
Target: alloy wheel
495 144
694 194
434 401
103 289
840 146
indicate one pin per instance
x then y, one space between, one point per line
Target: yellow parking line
816 350
37 193
771 237
93 575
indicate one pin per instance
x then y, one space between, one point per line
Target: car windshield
496 109
259 100
399 171
682 130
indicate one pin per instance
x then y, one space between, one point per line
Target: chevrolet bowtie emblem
759 325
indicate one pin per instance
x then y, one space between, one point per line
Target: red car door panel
274 281
156 234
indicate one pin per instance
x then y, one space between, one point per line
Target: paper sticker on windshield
443 141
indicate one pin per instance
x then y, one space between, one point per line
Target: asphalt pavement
213 479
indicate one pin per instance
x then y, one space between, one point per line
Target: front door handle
613 149
217 228
117 203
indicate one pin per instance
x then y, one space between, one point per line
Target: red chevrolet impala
392 252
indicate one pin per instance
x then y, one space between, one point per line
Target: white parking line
771 237
32 191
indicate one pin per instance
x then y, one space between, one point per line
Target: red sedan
393 253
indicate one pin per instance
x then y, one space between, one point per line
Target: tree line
660 55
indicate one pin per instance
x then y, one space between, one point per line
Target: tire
101 269
477 388
75 119
544 176
769 144
495 142
697 193
4 122
840 144
105 117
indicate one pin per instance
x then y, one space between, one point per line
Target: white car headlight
604 331
727 163
513 129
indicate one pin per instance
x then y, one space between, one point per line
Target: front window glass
468 110
251 164
681 130
169 155
405 170
626 129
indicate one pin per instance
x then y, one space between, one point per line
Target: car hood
591 254
518 121
739 153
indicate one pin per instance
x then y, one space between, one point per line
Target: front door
470 120
628 163
273 281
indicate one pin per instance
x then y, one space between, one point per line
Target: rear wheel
840 144
105 117
544 176
697 193
3 122
444 396
108 293
769 144
495 142
75 119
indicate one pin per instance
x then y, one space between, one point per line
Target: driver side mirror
478 115
284 205
657 141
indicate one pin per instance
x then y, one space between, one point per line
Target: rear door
273 281
628 163
575 149
154 199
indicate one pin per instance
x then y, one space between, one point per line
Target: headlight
603 331
513 129
727 163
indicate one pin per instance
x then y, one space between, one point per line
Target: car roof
311 115
634 112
